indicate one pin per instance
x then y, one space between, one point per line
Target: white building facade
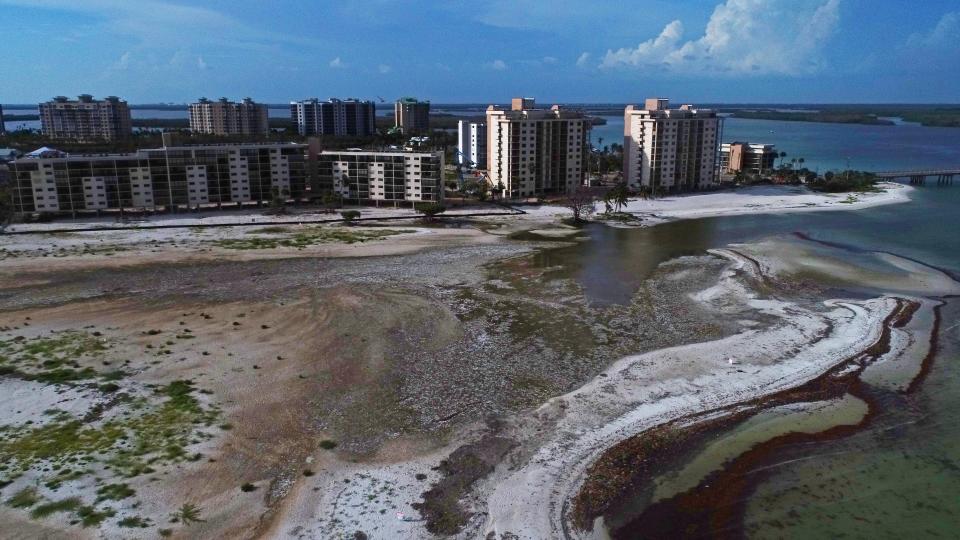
390 177
472 144
535 152
670 150
169 177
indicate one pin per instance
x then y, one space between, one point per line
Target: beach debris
732 361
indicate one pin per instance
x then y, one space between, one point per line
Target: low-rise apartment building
669 150
535 152
389 177
747 157
472 144
224 117
169 178
85 118
334 117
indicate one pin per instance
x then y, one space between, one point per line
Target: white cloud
583 60
550 60
498 65
124 62
201 63
935 49
154 23
782 37
945 33
384 69
337 63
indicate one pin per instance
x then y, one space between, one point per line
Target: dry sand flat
272 368
33 254
397 349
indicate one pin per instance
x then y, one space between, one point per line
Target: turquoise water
834 146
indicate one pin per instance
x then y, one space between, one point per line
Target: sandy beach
335 375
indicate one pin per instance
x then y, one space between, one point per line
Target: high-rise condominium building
86 118
472 144
334 117
411 115
168 177
536 152
223 117
746 157
670 150
389 177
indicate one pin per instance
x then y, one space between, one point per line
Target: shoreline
184 240
637 393
761 199
395 469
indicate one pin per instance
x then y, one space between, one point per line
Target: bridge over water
943 176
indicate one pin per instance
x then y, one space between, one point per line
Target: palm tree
620 195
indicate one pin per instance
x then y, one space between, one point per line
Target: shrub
327 444
430 210
350 216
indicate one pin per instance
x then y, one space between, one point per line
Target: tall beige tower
535 152
670 150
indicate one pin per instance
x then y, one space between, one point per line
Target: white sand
747 200
242 217
527 494
639 392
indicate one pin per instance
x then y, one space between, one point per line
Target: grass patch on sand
54 507
55 359
114 492
156 430
85 516
25 498
307 237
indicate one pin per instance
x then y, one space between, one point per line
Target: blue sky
484 50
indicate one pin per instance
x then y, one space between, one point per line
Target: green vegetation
825 117
927 115
129 447
327 444
53 360
270 230
350 216
90 517
616 198
309 237
134 522
430 210
248 487
25 498
87 516
50 508
187 514
114 492
845 182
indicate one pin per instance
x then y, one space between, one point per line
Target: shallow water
900 477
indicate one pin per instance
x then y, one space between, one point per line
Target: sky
478 51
